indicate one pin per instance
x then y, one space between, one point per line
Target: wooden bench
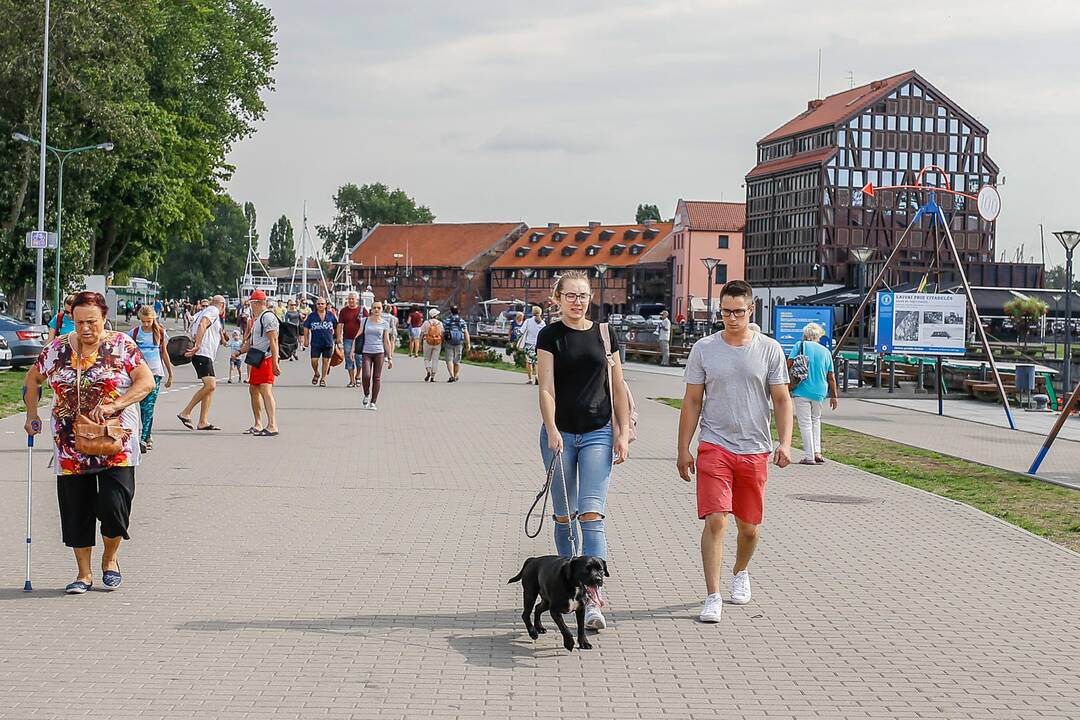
988 391
677 352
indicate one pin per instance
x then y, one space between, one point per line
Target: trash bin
1025 378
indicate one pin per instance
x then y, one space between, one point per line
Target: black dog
563 586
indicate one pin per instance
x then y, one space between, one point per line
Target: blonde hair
556 290
536 310
519 316
812 331
147 311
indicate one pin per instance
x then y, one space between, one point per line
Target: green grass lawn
11 392
1047 510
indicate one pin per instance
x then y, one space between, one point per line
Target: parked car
615 319
5 355
634 320
24 340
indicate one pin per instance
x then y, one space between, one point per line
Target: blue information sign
789 321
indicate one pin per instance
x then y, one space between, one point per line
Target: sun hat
433 312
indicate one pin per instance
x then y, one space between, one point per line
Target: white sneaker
740 588
371 406
364 402
710 611
594 619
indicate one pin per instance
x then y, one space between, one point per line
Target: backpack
632 427
455 331
434 334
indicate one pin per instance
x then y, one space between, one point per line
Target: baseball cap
433 312
258 295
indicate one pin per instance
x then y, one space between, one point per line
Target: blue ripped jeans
586 466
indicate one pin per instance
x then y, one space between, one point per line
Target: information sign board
789 321
921 323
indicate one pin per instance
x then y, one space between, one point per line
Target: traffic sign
41 240
989 202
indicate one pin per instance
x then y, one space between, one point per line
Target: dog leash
543 495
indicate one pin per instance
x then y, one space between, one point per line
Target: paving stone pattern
356 567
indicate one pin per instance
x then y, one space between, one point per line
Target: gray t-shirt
735 413
266 323
663 330
373 335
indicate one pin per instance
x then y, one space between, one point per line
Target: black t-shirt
582 397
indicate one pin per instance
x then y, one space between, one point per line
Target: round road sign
989 202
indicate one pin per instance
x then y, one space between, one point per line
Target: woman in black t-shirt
576 404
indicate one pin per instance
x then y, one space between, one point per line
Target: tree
249 216
1026 314
183 85
647 212
362 208
282 248
212 262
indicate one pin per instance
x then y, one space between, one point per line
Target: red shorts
262 375
730 483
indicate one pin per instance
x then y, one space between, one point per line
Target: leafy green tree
174 92
213 261
282 248
1026 313
647 212
362 208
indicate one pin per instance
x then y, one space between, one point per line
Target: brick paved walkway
328 574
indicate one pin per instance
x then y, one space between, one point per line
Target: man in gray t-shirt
263 336
732 377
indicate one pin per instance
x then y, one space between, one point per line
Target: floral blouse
106 374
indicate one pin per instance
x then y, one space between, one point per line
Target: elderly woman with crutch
98 378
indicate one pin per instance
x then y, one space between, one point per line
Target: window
721 274
522 251
568 250
722 244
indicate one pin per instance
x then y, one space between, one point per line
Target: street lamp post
527 273
601 269
469 275
862 255
61 156
1057 312
1069 240
427 288
710 265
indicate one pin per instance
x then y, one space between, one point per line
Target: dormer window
545 250
582 235
631 233
607 234
593 250
617 249
535 236
558 235
636 248
568 250
650 233
522 251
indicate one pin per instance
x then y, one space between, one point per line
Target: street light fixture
61 155
1069 239
710 265
426 277
862 256
527 273
601 270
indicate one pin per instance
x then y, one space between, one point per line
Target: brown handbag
337 357
93 438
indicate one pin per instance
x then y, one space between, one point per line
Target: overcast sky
578 110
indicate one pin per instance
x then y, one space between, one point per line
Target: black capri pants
103 496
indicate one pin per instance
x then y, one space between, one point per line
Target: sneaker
371 406
365 401
710 611
594 619
740 588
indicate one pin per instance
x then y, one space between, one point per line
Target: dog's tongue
594 595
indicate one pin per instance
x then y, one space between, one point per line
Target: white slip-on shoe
710 611
740 588
594 619
371 406
365 401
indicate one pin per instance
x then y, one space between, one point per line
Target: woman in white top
529 332
431 333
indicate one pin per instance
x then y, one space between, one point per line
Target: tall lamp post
469 275
601 269
862 255
527 273
427 288
1069 240
710 265
61 155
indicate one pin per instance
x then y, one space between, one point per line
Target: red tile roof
791 163
719 216
434 245
603 237
839 107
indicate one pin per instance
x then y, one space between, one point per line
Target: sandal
253 430
267 433
209 427
322 383
314 379
804 461
186 421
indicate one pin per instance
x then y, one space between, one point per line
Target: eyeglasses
575 297
739 313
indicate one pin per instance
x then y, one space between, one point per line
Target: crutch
36 425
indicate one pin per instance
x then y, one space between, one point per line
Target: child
234 357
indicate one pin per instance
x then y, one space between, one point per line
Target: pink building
705 230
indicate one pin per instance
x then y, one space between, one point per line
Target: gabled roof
839 107
434 245
713 216
792 163
649 236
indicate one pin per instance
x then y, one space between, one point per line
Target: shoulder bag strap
606 339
